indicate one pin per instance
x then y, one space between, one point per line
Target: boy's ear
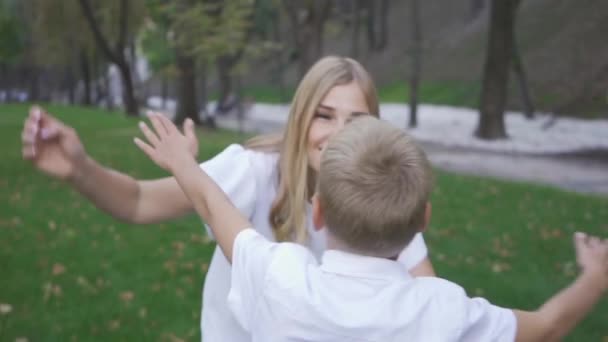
318 221
427 216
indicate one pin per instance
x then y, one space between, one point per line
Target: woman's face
339 106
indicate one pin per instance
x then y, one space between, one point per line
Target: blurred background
531 55
509 98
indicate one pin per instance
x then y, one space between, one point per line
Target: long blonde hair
296 178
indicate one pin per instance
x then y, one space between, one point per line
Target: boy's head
373 190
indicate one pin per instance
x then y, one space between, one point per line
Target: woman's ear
427 216
318 221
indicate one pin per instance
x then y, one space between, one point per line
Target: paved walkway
574 172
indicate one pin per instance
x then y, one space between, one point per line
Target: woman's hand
53 147
166 146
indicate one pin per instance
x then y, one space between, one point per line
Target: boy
372 198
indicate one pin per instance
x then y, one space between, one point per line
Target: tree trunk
522 81
477 7
383 39
416 61
116 56
164 90
128 91
3 83
70 84
356 28
279 69
186 89
496 70
240 110
371 25
85 69
109 99
224 66
308 29
33 84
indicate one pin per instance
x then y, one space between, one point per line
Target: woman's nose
338 126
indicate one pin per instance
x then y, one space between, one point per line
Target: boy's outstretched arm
560 314
168 148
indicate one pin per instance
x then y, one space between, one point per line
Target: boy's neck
337 244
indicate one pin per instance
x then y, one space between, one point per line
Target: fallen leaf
113 325
127 296
58 269
172 338
5 309
57 291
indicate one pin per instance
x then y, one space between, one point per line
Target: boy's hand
167 146
592 256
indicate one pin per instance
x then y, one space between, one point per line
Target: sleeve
484 321
232 172
251 257
414 253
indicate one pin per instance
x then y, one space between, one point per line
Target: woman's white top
250 179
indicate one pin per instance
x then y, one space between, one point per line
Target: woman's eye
322 116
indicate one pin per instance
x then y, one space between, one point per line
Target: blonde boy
372 198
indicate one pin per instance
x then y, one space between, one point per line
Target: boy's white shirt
280 292
249 178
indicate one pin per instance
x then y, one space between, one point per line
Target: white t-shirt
280 292
250 180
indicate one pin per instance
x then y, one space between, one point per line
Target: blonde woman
271 179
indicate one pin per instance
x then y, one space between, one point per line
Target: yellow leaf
58 269
127 296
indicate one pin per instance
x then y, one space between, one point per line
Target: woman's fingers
191 136
28 134
159 127
147 149
150 136
168 124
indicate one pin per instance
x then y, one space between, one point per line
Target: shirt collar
350 264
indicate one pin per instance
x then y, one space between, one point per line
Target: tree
356 27
156 45
60 45
307 20
522 80
12 44
496 70
117 54
213 32
377 24
416 50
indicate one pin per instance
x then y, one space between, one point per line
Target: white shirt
280 292
250 180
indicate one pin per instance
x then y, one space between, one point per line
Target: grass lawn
72 273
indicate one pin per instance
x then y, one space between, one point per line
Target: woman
270 180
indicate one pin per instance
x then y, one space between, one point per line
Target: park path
578 172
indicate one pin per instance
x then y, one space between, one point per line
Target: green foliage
154 38
12 40
208 30
60 32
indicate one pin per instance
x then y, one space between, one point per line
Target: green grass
73 273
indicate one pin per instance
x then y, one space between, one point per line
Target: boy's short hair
374 185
